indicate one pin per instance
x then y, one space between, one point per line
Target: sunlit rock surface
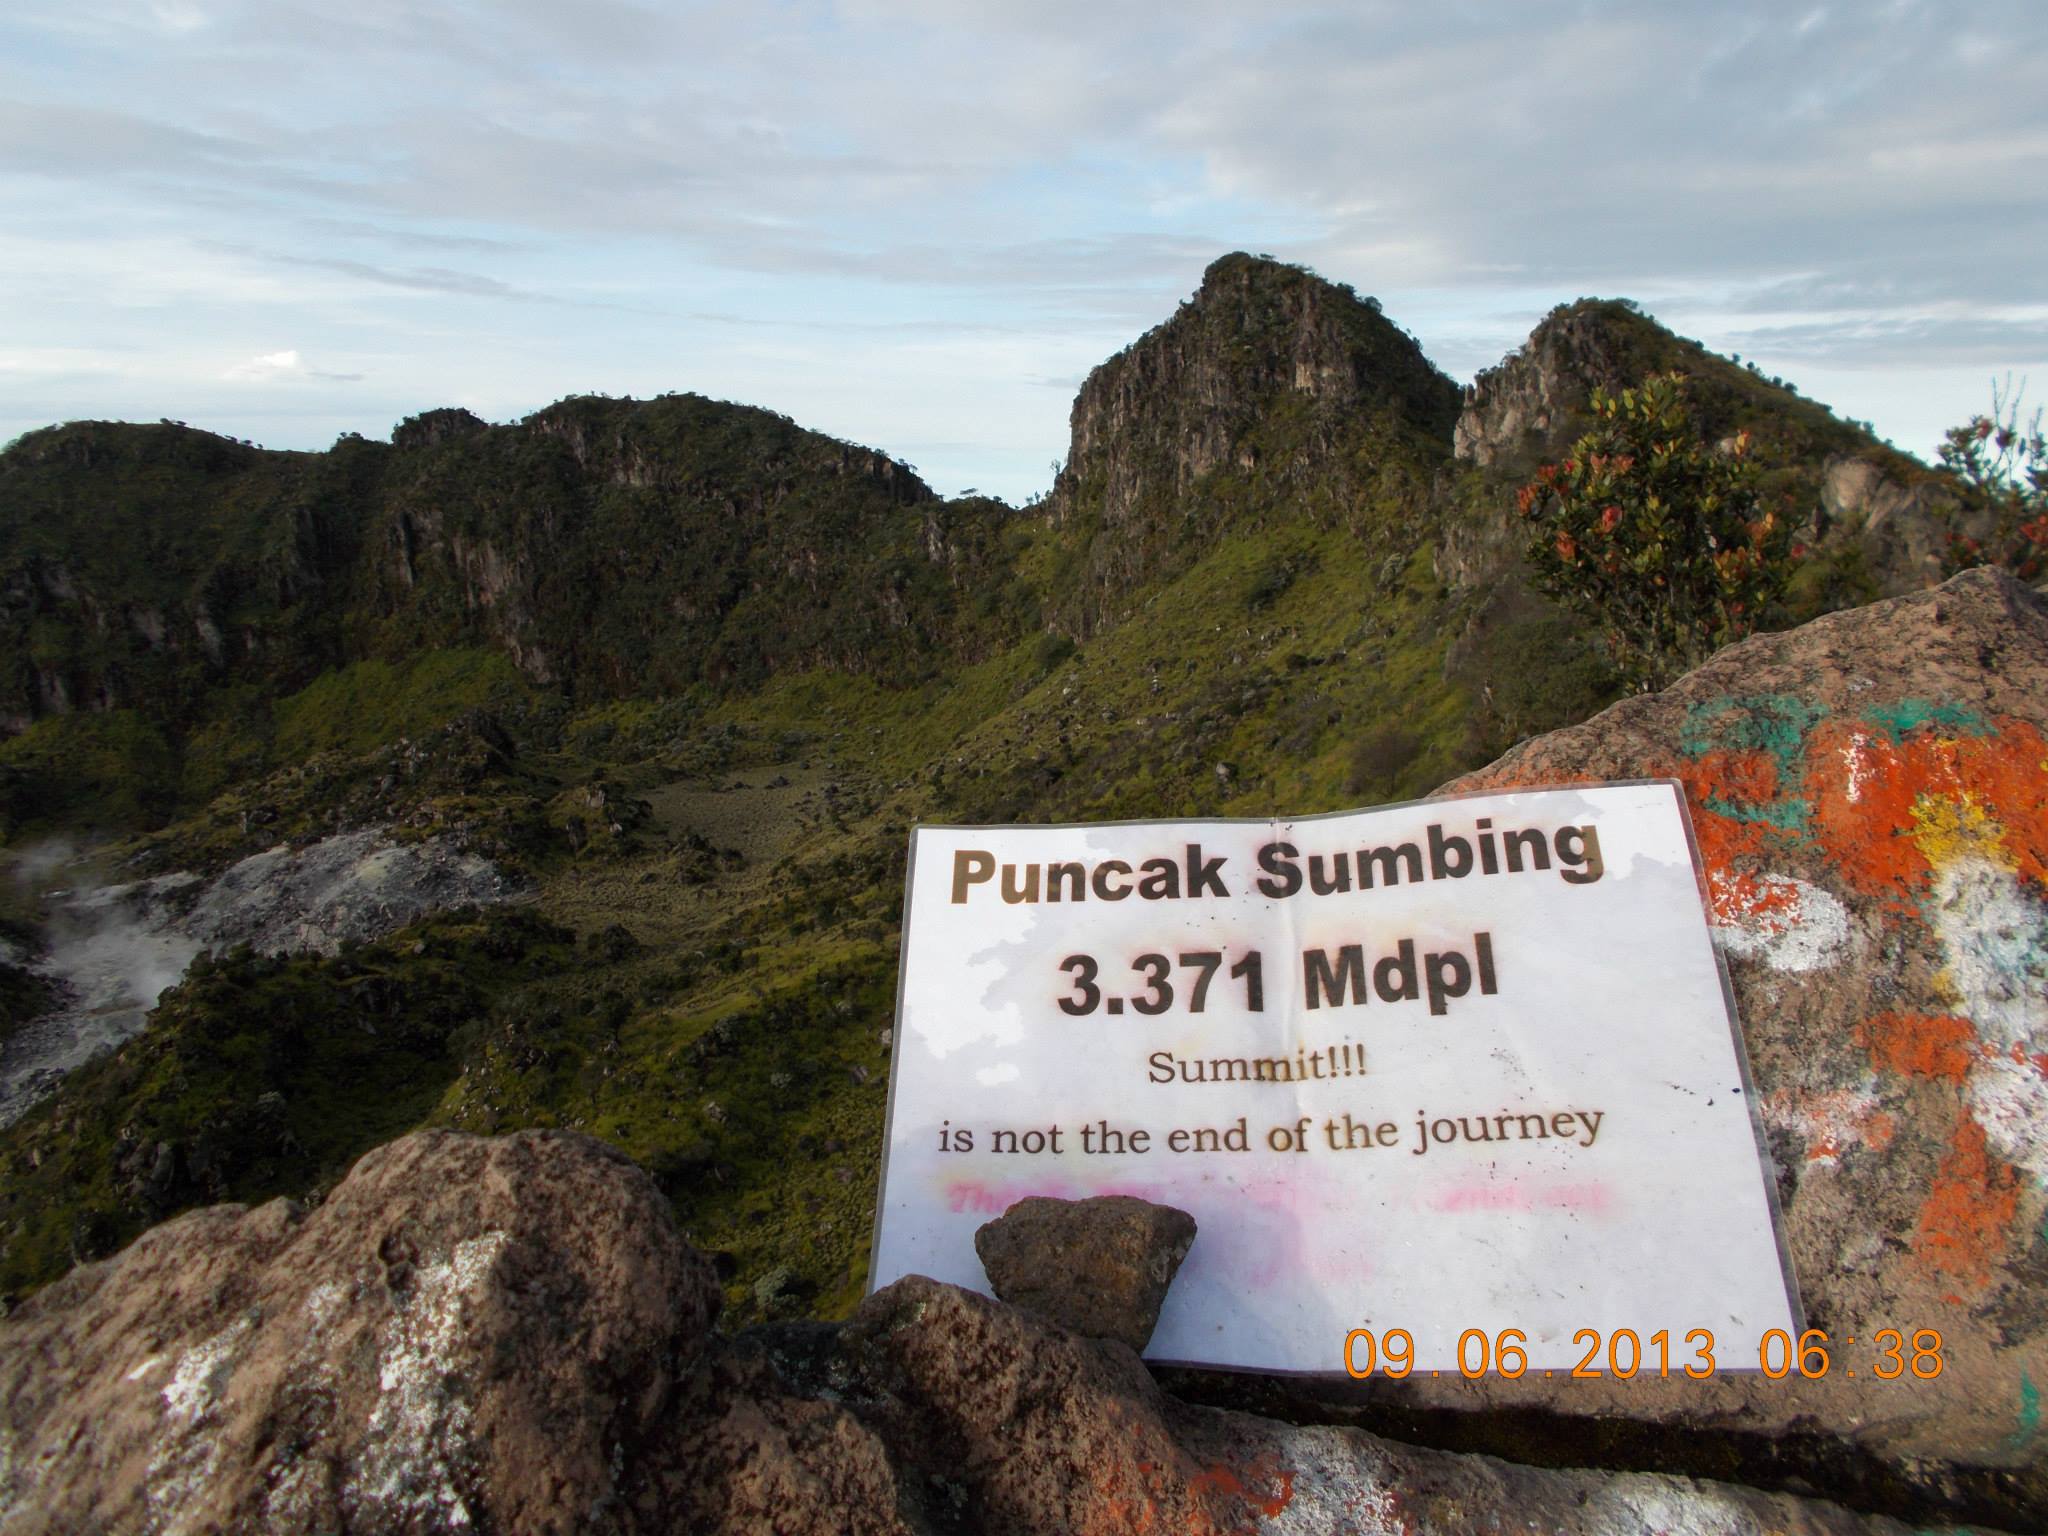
510 1335
1870 798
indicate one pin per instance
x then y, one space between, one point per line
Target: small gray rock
1098 1267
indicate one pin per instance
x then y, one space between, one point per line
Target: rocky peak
449 424
1263 383
1187 397
1538 391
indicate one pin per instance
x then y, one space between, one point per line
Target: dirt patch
762 812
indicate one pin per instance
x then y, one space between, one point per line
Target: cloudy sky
918 223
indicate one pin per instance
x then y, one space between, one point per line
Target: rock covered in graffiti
1867 792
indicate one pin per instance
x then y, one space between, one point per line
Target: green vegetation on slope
362 706
257 1078
723 1018
695 673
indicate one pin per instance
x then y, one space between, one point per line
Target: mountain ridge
686 673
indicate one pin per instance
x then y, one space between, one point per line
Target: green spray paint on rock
1776 723
2030 1415
1772 723
1899 719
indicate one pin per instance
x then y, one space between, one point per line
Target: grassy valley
691 674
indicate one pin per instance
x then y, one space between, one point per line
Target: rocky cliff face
622 548
144 566
1269 387
612 547
1895 525
1536 396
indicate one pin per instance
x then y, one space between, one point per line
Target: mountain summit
1270 389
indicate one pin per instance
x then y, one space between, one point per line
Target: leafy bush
1656 535
2002 469
1272 579
1050 650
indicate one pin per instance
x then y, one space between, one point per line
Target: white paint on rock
1994 936
1634 1503
1826 1122
1796 927
1856 768
420 1429
183 1459
1994 940
2010 1100
1338 1482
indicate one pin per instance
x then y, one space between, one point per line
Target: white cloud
279 367
738 198
272 365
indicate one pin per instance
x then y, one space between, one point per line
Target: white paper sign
1461 1064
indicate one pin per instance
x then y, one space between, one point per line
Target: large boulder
1870 798
467 1334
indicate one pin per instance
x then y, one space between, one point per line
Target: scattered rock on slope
354 887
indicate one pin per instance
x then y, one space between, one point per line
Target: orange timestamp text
1889 1354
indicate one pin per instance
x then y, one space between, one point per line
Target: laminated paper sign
1461 1064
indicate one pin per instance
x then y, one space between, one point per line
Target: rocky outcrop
1189 392
1098 1267
467 1334
340 890
1531 400
1270 386
1897 527
509 1335
449 424
1859 501
1867 797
